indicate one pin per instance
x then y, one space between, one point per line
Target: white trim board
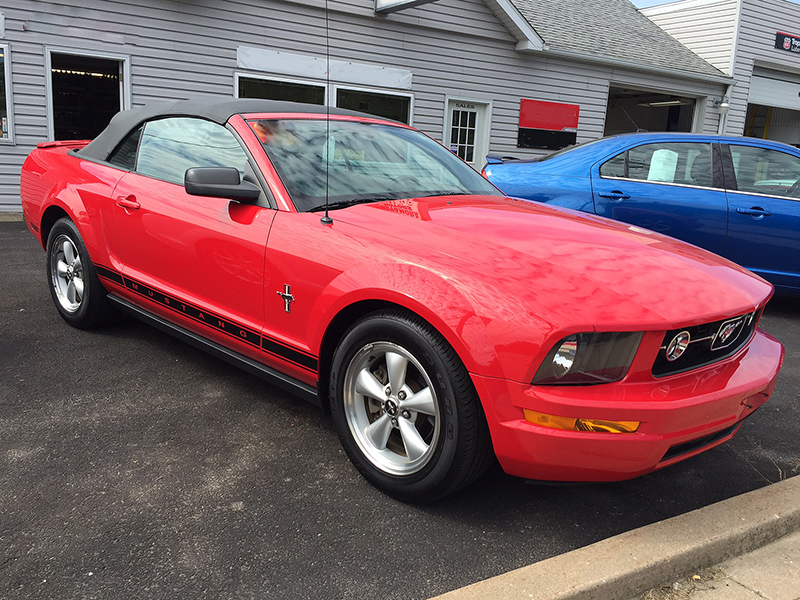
315 67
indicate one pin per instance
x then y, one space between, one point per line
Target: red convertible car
358 263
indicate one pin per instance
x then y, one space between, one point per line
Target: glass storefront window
388 106
268 89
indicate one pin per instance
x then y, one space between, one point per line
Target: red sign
552 116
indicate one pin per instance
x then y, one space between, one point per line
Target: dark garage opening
86 94
636 110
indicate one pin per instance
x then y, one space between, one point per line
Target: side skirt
289 384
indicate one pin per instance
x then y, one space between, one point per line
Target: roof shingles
612 29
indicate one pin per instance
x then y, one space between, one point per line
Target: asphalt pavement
743 548
133 465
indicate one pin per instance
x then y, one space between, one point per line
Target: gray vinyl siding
707 28
700 27
455 48
760 21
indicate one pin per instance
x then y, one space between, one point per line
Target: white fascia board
383 7
315 67
527 38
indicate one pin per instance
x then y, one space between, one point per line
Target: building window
273 89
5 94
462 133
85 92
389 106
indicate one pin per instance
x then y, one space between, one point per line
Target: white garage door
770 88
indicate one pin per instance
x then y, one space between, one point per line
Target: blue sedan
738 197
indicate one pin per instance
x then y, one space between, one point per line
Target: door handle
756 212
128 202
614 195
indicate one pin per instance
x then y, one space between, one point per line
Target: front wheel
77 292
405 408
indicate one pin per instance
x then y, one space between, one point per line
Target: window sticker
663 166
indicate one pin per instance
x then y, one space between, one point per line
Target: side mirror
219 182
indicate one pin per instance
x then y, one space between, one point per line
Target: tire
422 441
77 292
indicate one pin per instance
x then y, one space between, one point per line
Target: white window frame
9 96
446 126
278 78
125 83
335 87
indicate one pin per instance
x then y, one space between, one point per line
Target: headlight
585 358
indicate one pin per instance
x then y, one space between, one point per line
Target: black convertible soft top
217 109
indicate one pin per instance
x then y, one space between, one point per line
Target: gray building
510 76
757 42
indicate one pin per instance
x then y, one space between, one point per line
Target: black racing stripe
109 274
214 321
289 353
210 319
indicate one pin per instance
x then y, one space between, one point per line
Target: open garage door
632 110
773 109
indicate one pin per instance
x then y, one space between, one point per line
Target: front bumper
680 416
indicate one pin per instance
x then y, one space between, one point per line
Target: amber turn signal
570 424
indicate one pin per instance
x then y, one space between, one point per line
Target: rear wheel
405 408
76 291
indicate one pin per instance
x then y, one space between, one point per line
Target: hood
568 269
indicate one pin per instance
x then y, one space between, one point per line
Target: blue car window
614 167
685 163
765 171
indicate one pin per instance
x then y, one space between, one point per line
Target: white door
467 130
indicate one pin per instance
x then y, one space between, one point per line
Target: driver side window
765 171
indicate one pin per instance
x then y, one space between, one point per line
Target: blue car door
764 223
671 187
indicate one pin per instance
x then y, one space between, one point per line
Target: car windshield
349 162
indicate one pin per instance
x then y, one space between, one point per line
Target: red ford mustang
358 263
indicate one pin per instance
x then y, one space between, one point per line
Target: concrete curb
8 217
634 562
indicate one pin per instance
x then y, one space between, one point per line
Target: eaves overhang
527 38
638 66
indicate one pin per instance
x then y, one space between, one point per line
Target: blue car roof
609 146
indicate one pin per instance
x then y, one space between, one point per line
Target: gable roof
611 31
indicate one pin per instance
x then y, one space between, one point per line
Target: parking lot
133 465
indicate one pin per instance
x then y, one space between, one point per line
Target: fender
329 271
421 291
